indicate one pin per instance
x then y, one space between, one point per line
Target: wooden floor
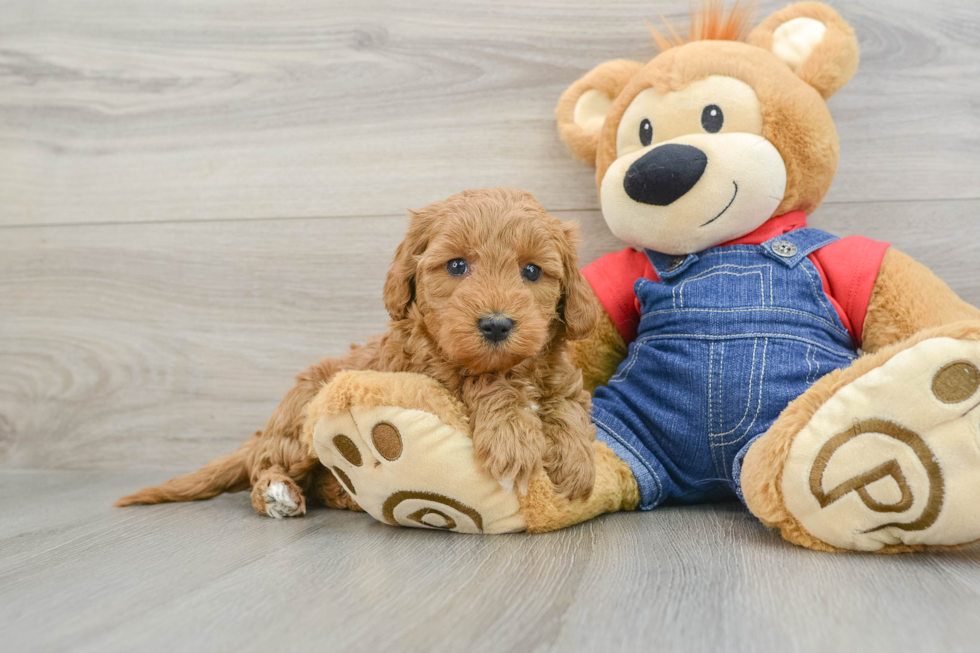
213 576
198 198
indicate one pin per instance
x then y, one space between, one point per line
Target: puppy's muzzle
495 328
664 174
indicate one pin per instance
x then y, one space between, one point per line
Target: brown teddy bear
832 384
742 374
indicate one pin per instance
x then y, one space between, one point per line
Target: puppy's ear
813 40
399 290
578 309
582 109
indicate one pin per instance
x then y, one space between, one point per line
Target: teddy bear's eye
646 132
712 119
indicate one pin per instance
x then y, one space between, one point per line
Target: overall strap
668 266
793 246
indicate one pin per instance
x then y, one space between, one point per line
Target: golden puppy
483 293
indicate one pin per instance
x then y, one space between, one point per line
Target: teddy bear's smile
730 202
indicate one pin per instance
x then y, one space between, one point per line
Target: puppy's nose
495 328
664 174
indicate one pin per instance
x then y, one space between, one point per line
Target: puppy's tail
224 474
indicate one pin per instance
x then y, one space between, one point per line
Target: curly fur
527 405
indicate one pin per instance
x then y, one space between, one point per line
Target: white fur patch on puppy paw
279 503
508 485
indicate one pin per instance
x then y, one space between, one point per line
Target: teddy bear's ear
583 107
813 40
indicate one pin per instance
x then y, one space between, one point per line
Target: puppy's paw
512 451
282 501
571 467
278 498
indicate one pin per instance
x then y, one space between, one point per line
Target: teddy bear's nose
664 174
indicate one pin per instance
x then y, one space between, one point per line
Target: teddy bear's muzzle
665 174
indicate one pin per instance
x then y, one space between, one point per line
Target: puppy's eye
712 119
646 132
456 267
531 272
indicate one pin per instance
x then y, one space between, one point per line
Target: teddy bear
830 384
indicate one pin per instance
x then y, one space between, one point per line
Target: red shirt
848 268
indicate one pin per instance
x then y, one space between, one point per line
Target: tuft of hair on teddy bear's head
719 132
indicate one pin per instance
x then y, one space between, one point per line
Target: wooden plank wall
198 198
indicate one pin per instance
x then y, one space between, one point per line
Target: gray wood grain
137 110
78 575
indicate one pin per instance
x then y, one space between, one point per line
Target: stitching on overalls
840 353
809 364
741 249
631 448
758 406
769 271
619 377
748 401
821 298
746 310
711 379
756 269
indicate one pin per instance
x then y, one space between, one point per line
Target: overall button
675 263
784 248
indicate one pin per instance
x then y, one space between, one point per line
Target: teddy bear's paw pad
409 468
282 501
894 457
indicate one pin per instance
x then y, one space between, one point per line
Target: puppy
483 293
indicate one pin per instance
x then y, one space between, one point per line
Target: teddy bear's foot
399 444
882 456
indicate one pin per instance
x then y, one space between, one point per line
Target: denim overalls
727 339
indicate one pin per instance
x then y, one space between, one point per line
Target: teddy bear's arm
908 298
600 354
